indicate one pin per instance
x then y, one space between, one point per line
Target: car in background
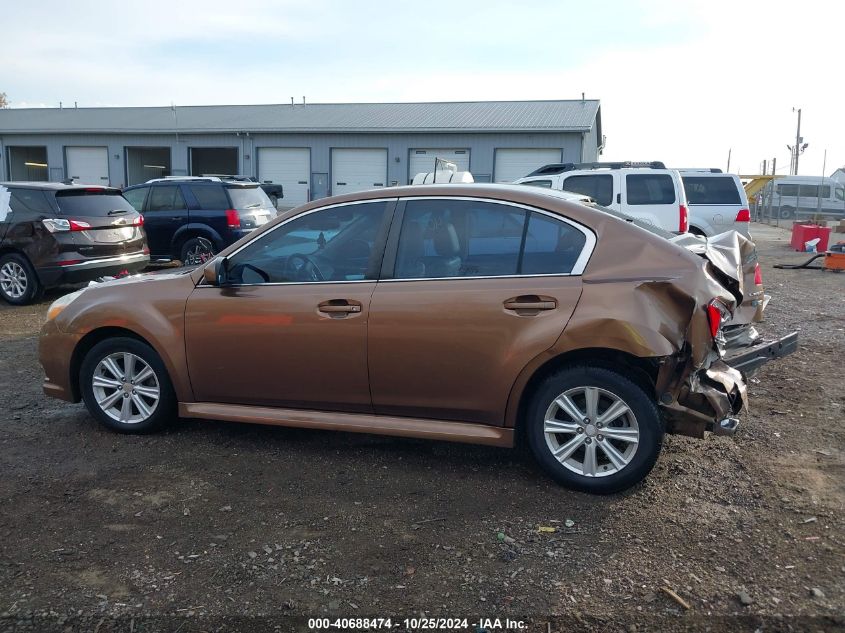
471 313
717 202
273 190
191 218
54 233
644 190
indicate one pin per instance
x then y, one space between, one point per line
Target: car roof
52 186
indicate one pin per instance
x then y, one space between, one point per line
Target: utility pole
797 145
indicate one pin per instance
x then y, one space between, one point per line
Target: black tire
196 250
164 409
646 422
19 266
697 231
786 213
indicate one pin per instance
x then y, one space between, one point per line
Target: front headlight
61 303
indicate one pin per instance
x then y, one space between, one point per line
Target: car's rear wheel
19 285
126 387
593 429
196 251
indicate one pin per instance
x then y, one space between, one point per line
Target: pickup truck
274 191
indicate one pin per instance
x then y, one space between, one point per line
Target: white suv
717 202
646 191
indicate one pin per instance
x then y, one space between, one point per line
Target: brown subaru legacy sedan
471 313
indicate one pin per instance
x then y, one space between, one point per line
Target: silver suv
717 202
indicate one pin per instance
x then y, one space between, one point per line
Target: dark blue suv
192 218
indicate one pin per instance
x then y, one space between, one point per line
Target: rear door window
711 190
598 186
166 198
210 196
545 184
551 246
643 189
92 203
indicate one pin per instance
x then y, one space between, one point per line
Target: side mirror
215 271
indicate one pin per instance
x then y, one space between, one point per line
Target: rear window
244 198
92 203
711 190
545 184
210 196
650 189
599 187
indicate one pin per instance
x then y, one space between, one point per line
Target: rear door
5 211
463 306
166 212
103 223
651 196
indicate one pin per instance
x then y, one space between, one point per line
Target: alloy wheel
591 431
199 253
13 280
126 388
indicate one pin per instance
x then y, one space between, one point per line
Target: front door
165 213
478 290
319 186
288 328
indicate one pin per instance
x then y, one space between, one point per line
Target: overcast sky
681 81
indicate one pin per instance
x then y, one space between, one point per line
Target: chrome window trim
577 269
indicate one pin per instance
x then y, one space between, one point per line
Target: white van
808 195
647 191
717 202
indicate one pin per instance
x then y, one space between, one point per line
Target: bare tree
4 102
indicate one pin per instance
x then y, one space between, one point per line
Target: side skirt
352 423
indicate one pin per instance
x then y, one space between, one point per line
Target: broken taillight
758 275
57 225
717 314
744 215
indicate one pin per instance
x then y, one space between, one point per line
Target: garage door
289 167
358 169
516 163
88 165
422 160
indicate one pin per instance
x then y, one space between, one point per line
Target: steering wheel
307 268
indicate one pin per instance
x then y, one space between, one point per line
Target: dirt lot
209 521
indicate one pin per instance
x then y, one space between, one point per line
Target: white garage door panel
422 160
289 167
516 163
358 170
88 165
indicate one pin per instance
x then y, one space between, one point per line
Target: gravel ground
213 526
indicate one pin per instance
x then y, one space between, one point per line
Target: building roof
476 116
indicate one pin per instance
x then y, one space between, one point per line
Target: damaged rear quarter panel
644 296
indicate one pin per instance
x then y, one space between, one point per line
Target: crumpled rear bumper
750 359
712 397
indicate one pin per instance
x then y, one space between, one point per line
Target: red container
803 233
824 235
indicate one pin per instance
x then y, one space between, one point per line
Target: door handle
531 302
339 307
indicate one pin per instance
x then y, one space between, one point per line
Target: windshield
840 193
93 203
248 198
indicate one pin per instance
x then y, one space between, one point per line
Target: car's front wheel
19 285
593 429
126 387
